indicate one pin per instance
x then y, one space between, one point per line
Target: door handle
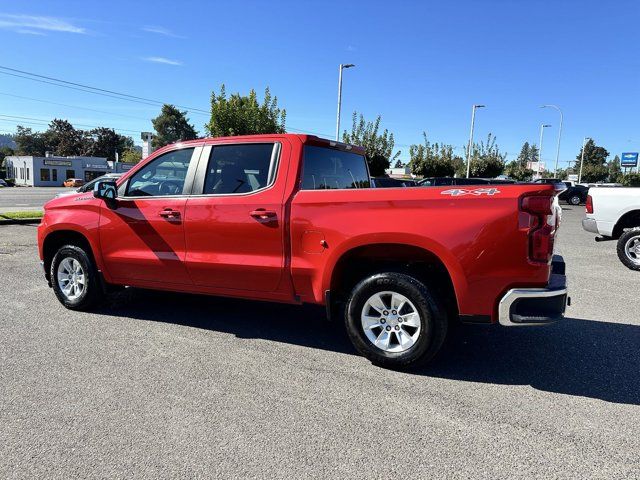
169 213
262 214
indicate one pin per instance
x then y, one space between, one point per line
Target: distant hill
7 141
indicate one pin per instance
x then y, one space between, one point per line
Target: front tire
74 278
629 248
395 321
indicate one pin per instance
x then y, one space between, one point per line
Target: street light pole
342 66
555 171
473 121
584 142
542 127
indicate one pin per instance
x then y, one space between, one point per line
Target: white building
52 171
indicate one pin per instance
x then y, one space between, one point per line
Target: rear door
234 222
143 239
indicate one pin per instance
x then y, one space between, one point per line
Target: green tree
615 171
433 159
593 154
486 159
171 126
130 156
594 168
243 115
29 142
104 142
4 152
63 139
516 171
594 173
519 168
631 180
378 146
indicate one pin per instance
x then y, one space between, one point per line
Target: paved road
26 198
160 385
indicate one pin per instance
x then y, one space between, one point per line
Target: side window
327 168
240 168
164 176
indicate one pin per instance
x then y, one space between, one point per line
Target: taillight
542 229
589 204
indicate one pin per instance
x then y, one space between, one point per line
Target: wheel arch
362 260
629 220
57 238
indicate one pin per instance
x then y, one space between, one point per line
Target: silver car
87 187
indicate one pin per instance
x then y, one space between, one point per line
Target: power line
96 90
113 94
16 118
75 88
72 106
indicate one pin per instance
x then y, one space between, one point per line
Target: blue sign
629 159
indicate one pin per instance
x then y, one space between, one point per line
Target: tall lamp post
555 170
473 121
342 67
584 142
542 127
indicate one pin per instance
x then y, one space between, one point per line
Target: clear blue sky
421 65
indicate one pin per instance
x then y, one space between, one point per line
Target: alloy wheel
390 321
71 278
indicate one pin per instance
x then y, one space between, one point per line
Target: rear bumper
536 306
590 225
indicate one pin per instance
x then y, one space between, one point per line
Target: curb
19 221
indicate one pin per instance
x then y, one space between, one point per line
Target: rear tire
629 248
74 278
395 321
575 200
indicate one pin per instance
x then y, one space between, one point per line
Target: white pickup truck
614 213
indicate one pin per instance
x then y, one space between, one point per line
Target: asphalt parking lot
26 198
162 385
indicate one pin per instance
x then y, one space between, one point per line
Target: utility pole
584 142
555 171
542 127
473 121
342 67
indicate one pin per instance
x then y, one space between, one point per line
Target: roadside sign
629 159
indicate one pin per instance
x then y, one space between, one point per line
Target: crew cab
293 218
614 214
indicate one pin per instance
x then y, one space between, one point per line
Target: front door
143 239
234 221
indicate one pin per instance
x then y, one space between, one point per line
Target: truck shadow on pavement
574 357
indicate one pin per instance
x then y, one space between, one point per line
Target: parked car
88 187
292 218
3 183
388 182
73 182
614 213
574 194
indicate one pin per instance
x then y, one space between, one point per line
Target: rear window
327 168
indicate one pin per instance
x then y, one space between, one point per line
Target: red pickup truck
293 218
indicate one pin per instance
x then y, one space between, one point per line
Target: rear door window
240 168
328 168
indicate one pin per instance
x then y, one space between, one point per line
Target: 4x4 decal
457 192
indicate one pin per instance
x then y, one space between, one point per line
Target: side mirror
107 190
